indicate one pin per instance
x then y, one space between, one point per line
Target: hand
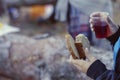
81 64
112 27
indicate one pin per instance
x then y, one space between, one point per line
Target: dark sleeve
98 71
114 37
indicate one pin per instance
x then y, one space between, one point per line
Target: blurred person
1 8
93 67
78 14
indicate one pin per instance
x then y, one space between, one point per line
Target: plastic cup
100 24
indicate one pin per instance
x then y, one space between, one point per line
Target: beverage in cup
100 24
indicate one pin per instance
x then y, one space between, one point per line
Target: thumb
113 27
87 52
88 55
109 20
78 62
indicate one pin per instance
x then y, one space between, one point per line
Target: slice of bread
83 39
71 46
77 46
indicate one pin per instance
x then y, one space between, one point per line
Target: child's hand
81 64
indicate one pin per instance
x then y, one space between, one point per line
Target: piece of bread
75 48
79 47
71 46
84 40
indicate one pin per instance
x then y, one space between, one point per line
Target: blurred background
38 51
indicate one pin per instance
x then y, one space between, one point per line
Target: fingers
89 56
110 21
71 58
86 51
91 27
91 21
78 67
78 62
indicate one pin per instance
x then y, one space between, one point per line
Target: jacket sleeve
93 71
98 71
113 38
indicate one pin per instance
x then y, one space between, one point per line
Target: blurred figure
79 11
40 12
1 8
31 13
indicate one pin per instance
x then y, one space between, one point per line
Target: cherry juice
101 29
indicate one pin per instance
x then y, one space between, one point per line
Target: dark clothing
102 73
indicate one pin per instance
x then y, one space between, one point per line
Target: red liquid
101 29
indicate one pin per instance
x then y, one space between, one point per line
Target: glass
100 24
